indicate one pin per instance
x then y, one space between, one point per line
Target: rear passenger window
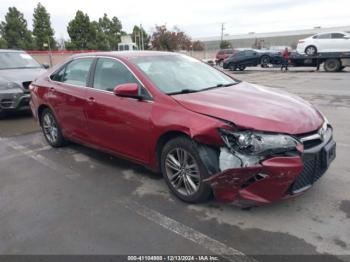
75 73
109 73
337 36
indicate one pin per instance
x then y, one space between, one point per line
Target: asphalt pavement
75 200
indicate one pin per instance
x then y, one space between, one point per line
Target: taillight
31 87
301 41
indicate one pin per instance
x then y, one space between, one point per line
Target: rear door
340 43
67 96
324 43
119 124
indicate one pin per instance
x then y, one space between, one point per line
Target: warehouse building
266 40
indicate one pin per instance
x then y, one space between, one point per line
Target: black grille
313 170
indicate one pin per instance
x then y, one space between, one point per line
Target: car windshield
176 74
16 60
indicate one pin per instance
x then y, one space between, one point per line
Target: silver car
17 70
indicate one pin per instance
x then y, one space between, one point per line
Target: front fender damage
248 181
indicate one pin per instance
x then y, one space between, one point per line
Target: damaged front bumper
272 179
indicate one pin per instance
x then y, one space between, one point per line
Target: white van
127 47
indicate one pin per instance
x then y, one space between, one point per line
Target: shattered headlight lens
256 143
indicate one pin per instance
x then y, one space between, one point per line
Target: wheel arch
162 140
41 109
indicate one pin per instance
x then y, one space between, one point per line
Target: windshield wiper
219 85
187 91
183 91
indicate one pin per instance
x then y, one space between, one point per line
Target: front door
119 124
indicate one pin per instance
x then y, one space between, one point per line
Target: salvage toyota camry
206 132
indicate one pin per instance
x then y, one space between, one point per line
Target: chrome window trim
64 65
104 91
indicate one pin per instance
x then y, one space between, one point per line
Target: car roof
11 51
126 54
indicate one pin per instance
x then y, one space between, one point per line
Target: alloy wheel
50 128
182 171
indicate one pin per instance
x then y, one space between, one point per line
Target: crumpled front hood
20 75
255 107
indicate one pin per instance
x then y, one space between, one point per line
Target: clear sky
197 18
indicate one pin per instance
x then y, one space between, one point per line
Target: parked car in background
324 42
17 70
222 55
209 61
242 59
205 131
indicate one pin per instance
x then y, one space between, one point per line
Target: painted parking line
23 150
213 245
37 150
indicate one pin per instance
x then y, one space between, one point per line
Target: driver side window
109 73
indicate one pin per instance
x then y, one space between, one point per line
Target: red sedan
205 131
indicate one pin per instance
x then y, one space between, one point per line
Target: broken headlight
256 143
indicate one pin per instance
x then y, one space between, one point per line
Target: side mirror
127 90
45 65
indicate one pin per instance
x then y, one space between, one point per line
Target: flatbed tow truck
332 62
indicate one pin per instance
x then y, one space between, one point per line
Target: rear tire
332 65
184 171
241 67
51 129
311 50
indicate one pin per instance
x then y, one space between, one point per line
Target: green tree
3 43
82 33
137 35
225 44
14 30
110 31
42 29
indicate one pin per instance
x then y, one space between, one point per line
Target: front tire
184 171
232 67
51 129
264 61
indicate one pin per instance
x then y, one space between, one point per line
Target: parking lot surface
75 200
